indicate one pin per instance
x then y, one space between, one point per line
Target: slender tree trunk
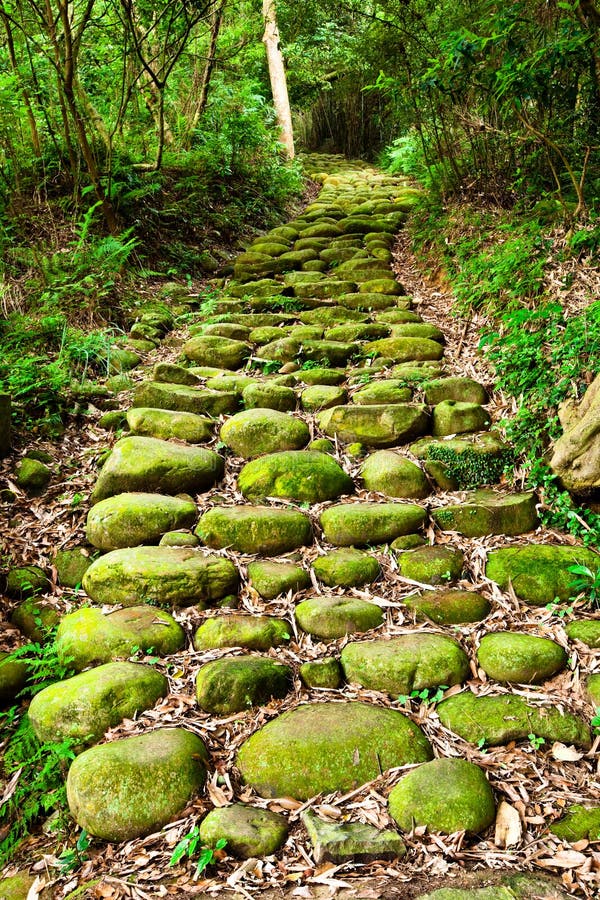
211 61
277 76
35 135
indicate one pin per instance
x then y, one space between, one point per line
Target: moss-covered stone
248 831
410 662
84 707
486 512
322 673
234 684
522 658
431 565
171 373
592 686
302 475
149 464
324 747
179 398
17 887
251 632
397 316
166 424
322 445
405 349
255 529
369 301
26 581
255 432
539 573
328 316
376 425
270 579
422 330
212 351
13 677
380 392
35 619
128 520
71 566
446 795
179 539
320 396
89 637
387 286
465 462
348 524
32 475
129 788
369 331
321 376
269 396
333 617
346 568
231 383
500 720
163 575
325 289
408 542
585 630
113 420
454 417
580 823
345 841
449 607
394 475
461 390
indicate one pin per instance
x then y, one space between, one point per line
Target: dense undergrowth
543 342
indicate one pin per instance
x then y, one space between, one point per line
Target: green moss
471 465
251 632
154 395
333 617
579 823
411 662
249 832
431 565
370 523
270 579
486 512
539 573
320 396
394 475
303 475
26 581
324 747
211 351
446 795
13 677
449 607
585 630
322 673
255 529
405 349
256 432
521 658
346 568
375 426
234 684
131 519
269 396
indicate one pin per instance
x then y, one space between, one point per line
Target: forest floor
536 783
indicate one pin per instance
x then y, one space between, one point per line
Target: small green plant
310 364
595 722
481 745
44 667
270 367
557 608
536 741
73 858
191 846
426 695
586 582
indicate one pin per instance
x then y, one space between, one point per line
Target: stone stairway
314 498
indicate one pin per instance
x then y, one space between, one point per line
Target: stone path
314 497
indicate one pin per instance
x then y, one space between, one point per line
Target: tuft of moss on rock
32 475
580 823
539 573
445 795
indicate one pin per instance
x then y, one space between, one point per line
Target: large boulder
487 512
255 529
180 398
375 426
539 573
84 707
324 747
149 464
576 457
88 637
255 432
210 350
347 524
163 575
305 476
410 662
128 520
132 787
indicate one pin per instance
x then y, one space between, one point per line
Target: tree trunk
211 60
277 76
35 136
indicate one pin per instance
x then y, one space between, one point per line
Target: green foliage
191 846
35 772
595 722
426 696
469 468
536 741
72 858
586 582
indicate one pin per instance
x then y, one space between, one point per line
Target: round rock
249 832
256 432
234 684
250 632
358 524
521 658
255 529
333 617
394 475
346 568
449 607
446 795
431 565
305 476
324 747
132 787
270 579
128 520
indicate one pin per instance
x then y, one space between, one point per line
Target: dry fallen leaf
564 753
509 830
564 859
